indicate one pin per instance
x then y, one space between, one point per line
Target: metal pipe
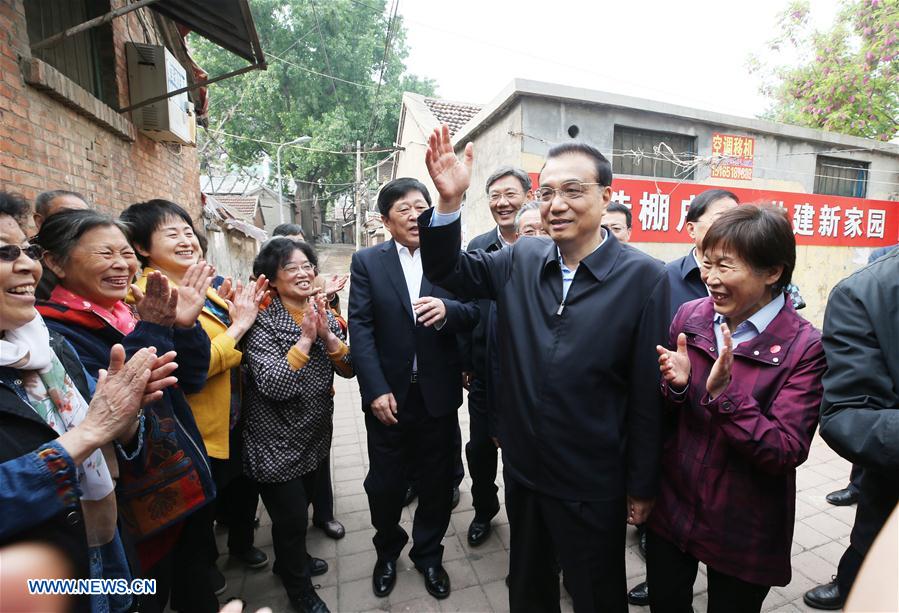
233 73
92 23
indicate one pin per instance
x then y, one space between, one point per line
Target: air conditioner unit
154 71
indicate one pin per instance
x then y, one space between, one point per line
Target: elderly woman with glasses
57 462
161 491
291 355
742 380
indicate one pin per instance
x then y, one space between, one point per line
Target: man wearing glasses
581 411
507 190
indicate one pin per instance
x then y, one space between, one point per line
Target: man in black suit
403 332
508 189
581 414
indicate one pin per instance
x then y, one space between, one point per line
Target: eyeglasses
570 190
11 253
508 195
292 270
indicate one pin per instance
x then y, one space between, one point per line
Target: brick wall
47 141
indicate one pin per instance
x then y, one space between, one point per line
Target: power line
268 142
321 37
375 115
320 74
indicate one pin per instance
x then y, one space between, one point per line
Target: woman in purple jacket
743 385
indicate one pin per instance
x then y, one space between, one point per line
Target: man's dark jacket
474 347
686 282
385 339
860 410
582 409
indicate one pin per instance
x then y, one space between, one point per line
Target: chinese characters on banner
736 156
659 214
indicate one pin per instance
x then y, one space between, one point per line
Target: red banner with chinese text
660 212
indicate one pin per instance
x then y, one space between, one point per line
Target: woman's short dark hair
288 229
61 232
15 205
276 253
603 167
700 203
396 189
144 218
761 235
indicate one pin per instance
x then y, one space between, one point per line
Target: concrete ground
821 535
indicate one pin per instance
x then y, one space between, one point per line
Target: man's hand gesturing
451 176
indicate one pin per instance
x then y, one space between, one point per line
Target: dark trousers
287 504
236 504
586 537
183 574
481 454
671 573
855 478
323 498
426 443
877 497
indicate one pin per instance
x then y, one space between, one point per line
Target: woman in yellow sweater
164 238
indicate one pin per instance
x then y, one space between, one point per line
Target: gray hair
509 171
60 234
532 205
43 200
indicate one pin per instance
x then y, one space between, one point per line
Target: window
633 139
87 58
838 177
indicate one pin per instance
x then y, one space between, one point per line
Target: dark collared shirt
686 282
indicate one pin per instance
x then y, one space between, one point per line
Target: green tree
846 78
303 41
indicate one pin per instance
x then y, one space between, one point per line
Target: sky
691 52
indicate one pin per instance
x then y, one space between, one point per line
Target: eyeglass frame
538 193
494 198
291 271
34 252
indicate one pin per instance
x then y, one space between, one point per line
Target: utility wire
321 37
375 115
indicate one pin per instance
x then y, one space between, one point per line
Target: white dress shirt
412 271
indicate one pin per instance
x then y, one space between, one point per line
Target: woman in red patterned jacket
743 384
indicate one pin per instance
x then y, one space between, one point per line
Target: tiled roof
453 114
245 205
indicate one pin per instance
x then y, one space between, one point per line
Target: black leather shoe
383 578
332 529
456 497
639 595
478 532
411 494
437 582
309 602
252 557
842 498
827 597
317 567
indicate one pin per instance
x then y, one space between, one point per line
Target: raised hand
112 412
451 176
335 283
719 376
159 302
319 304
192 293
675 365
245 306
226 290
